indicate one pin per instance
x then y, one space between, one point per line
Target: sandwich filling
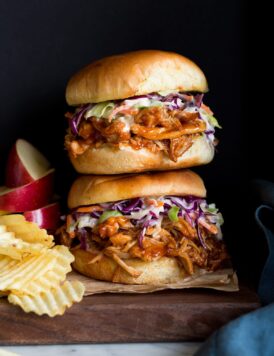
168 122
149 228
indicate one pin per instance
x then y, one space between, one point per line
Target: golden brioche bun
163 271
88 190
111 160
134 73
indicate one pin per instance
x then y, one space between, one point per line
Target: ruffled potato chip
25 230
52 302
33 270
52 278
16 274
17 248
21 275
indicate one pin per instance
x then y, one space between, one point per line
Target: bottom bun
163 271
109 160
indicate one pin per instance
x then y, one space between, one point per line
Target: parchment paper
223 280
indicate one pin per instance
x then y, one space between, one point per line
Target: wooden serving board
172 315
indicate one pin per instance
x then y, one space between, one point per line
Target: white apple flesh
28 197
47 217
25 164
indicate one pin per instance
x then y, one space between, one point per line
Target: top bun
88 190
134 73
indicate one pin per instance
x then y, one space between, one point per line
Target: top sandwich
139 111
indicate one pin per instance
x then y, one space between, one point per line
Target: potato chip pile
33 269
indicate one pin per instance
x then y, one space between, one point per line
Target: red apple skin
47 217
28 197
25 164
16 173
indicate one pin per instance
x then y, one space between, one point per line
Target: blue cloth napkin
253 333
265 216
249 335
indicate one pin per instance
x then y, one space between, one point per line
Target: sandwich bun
111 160
162 271
88 190
134 73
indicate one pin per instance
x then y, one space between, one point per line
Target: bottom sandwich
152 228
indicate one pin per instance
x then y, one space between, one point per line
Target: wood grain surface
161 316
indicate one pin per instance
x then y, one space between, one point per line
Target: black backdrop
44 42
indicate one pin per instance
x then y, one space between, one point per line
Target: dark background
44 42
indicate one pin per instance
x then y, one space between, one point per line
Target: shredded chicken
78 147
178 146
120 239
187 263
156 129
63 236
185 228
162 133
151 250
96 258
115 132
86 129
212 228
111 226
117 238
132 271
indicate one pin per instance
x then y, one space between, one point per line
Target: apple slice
47 217
25 164
28 197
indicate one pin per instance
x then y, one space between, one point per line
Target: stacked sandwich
135 114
